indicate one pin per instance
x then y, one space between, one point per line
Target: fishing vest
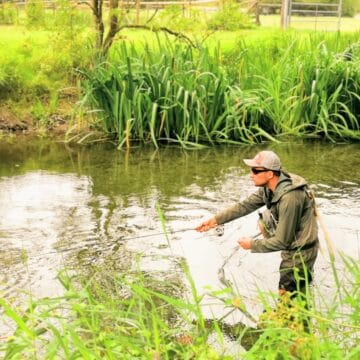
269 218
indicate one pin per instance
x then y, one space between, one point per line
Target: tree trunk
114 26
96 7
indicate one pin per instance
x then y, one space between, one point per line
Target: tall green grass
302 85
171 93
110 316
107 315
290 85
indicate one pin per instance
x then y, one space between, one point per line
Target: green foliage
35 69
170 94
108 315
298 86
288 86
69 19
229 17
16 76
111 316
42 112
178 19
35 14
282 85
8 14
43 62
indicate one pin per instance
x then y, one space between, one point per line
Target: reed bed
302 86
291 85
107 315
172 93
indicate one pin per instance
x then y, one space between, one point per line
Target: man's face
260 176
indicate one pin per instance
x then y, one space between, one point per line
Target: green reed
300 85
168 94
291 85
109 315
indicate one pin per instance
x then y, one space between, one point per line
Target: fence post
285 13
137 12
257 13
339 14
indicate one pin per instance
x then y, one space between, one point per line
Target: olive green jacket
293 208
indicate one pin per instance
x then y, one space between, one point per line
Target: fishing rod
219 231
157 234
119 239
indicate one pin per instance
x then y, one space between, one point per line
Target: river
64 205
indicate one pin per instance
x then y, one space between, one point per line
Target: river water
61 206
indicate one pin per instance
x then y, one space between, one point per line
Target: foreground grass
109 316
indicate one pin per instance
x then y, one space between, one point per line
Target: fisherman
288 223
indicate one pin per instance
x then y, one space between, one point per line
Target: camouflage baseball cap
266 159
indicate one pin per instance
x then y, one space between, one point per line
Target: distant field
312 23
270 25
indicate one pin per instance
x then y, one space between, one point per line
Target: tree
117 22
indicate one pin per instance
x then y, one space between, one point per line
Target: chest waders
297 263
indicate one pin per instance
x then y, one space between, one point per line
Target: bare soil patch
18 118
10 122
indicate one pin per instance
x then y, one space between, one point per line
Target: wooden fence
129 4
251 7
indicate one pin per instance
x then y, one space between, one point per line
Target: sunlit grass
251 85
286 85
109 315
14 35
270 25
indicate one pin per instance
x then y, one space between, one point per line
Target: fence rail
126 3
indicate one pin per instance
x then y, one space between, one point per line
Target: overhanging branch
109 39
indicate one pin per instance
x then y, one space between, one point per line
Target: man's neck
271 185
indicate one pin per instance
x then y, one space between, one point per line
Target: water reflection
34 210
63 206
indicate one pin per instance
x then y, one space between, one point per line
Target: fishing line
227 283
221 271
23 252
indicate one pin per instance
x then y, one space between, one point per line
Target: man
288 224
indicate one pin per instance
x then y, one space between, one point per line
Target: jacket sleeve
290 210
250 204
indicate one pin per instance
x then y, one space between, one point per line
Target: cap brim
250 162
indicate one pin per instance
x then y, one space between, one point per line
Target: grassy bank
107 315
244 86
280 86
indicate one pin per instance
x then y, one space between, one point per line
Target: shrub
35 14
177 19
8 14
230 17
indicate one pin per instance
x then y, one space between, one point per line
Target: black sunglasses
256 171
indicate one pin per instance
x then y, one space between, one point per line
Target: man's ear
270 176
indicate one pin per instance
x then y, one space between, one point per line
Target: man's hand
207 225
245 242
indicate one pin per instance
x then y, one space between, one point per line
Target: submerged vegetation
108 315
